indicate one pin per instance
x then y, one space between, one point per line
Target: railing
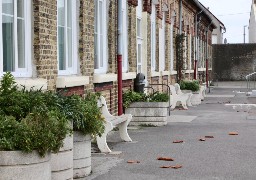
251 80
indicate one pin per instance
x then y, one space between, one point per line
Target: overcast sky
234 14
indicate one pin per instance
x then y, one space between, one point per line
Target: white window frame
153 38
162 45
74 68
185 51
103 68
124 37
19 72
139 36
190 51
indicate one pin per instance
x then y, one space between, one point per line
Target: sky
234 14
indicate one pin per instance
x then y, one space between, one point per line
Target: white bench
110 122
175 98
202 91
179 92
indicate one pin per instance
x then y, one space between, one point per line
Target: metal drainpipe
119 58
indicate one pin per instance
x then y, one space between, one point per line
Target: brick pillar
132 39
45 40
86 40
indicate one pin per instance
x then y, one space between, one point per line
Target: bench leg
102 141
189 100
123 130
173 104
184 103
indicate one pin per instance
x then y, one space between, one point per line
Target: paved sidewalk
224 157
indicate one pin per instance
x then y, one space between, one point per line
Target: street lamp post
244 32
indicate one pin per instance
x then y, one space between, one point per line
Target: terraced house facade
57 44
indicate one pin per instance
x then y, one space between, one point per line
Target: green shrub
190 85
85 113
132 96
30 120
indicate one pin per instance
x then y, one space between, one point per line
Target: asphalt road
223 157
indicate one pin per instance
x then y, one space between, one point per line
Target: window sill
71 81
201 69
173 72
155 74
101 78
29 83
129 75
189 71
165 73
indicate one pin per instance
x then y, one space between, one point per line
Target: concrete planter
148 113
62 163
16 165
196 98
82 155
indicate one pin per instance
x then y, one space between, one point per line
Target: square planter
148 113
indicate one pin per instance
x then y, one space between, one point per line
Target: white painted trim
36 84
165 73
153 38
124 36
155 74
71 81
173 72
201 69
129 75
189 71
101 78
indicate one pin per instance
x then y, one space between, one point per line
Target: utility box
139 83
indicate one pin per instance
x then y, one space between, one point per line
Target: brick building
72 44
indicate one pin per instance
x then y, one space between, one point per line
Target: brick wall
86 40
232 62
45 40
132 40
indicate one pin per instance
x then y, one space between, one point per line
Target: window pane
139 27
69 13
61 13
61 48
21 43
20 8
7 7
8 43
139 53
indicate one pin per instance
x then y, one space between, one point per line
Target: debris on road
165 159
233 133
178 141
133 162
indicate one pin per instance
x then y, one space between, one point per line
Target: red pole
119 59
120 85
195 69
207 75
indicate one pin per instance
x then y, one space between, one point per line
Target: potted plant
87 121
194 87
151 109
29 131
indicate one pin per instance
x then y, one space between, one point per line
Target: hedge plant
190 85
132 96
36 120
